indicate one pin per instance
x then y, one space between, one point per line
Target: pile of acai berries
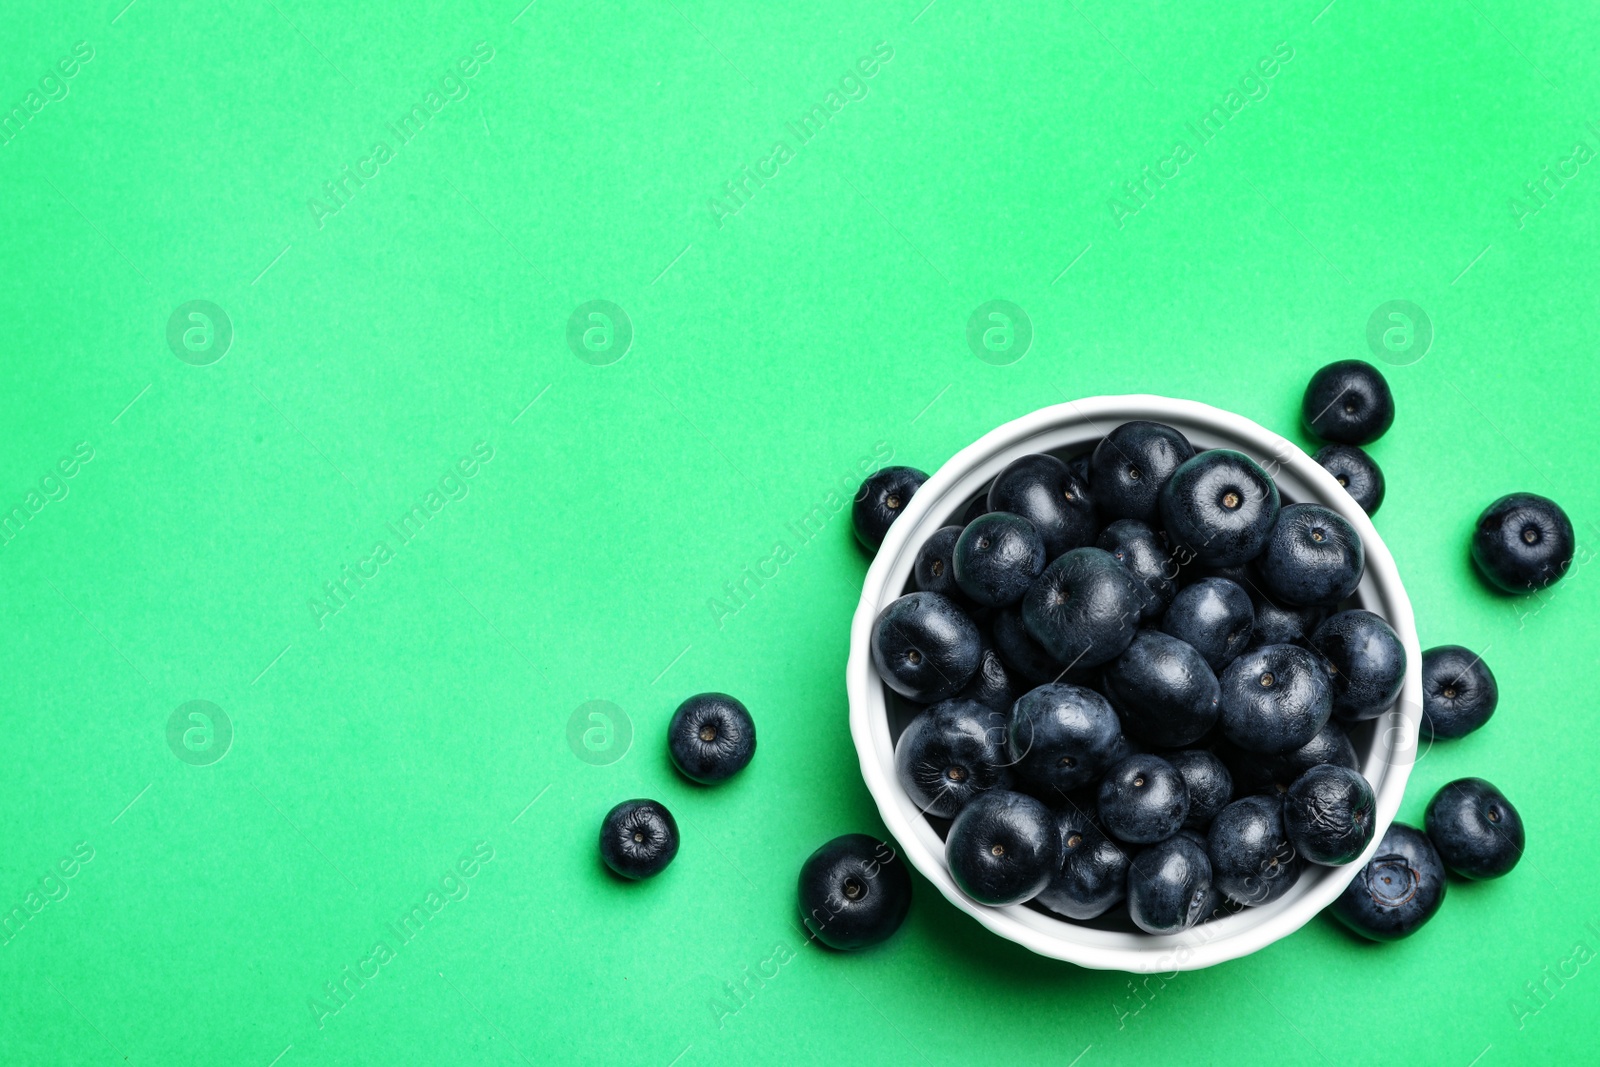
1132 672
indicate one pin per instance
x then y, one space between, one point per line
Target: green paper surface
303 296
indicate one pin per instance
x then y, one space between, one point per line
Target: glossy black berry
1252 861
1398 891
1523 542
1330 815
1367 663
1280 625
1083 609
1275 698
1348 402
997 557
1079 464
925 647
1094 871
1003 848
1313 557
1221 506
978 505
1020 652
934 570
1476 830
881 499
638 838
1353 469
854 892
1169 886
949 754
1130 466
1206 780
1143 800
711 737
1061 737
1255 772
1043 490
1459 692
1192 570
1144 553
993 683
1214 615
1213 907
1163 689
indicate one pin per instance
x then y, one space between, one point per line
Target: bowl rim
1387 763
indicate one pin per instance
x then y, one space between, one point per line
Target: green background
774 348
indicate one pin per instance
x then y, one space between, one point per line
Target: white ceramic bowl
1386 746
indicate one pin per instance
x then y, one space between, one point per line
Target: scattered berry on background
1478 833
1356 471
711 737
1348 403
855 891
1398 891
1459 692
1523 543
638 838
881 499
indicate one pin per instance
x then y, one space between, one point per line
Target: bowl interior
1386 746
